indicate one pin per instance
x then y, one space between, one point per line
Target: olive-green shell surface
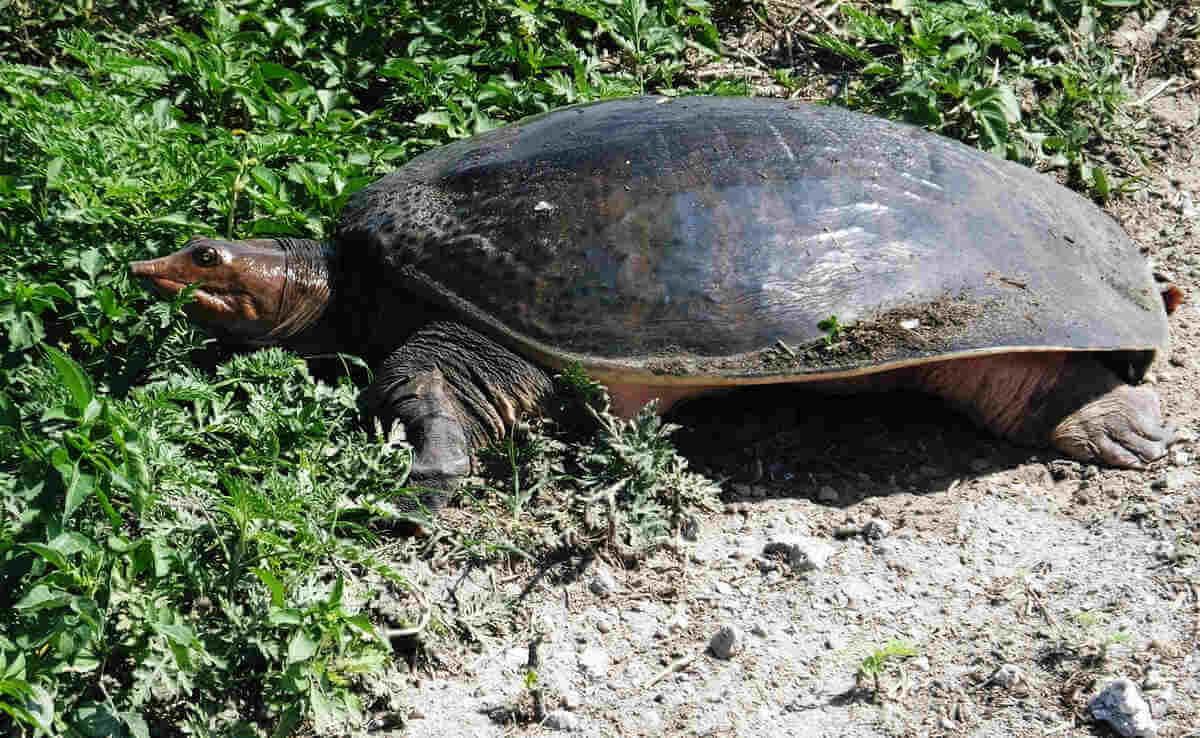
700 238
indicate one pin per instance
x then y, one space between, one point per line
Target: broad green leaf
42 597
273 584
73 377
91 262
72 542
54 173
301 647
284 616
180 635
79 486
10 414
49 554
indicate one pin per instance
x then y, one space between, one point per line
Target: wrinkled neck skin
305 320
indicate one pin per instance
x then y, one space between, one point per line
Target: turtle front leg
455 390
1070 401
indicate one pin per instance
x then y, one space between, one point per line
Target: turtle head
259 292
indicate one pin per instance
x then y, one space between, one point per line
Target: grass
187 532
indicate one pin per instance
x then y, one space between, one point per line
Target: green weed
1025 81
875 664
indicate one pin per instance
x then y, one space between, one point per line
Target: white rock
603 584
594 662
727 642
1008 676
875 529
561 720
651 722
1120 704
801 552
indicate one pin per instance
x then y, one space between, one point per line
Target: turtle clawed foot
1123 427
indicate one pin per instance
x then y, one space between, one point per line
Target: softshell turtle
677 247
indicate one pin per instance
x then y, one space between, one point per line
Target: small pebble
726 642
651 721
801 553
1120 704
875 529
603 583
1008 676
594 662
561 720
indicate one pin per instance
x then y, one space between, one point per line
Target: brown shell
709 239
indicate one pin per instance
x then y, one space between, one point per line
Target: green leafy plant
875 664
832 329
635 488
1027 81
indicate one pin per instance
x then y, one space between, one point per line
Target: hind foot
1123 427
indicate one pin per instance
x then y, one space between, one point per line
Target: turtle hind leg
1067 400
455 390
1122 427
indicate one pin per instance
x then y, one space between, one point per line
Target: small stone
910 324
651 722
828 494
832 643
875 529
594 662
1153 680
946 723
603 626
920 663
1007 676
415 714
726 642
1187 206
603 583
759 630
801 553
561 720
1120 704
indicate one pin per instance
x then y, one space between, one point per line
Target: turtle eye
206 256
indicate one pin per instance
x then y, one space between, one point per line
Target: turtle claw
1123 428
